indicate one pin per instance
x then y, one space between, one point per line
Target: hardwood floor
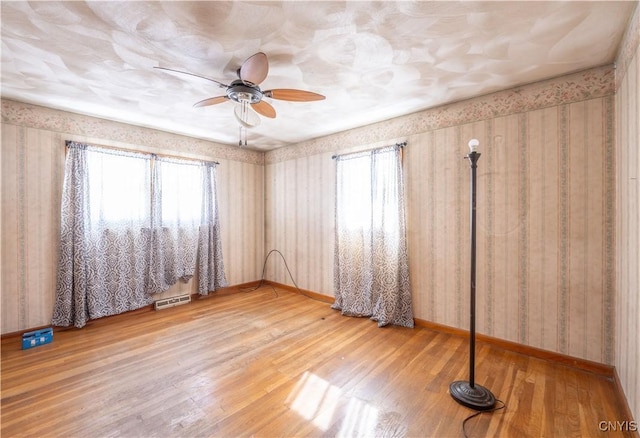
274 363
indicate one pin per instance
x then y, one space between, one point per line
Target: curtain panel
371 265
124 239
210 262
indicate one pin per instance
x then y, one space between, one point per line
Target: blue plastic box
36 338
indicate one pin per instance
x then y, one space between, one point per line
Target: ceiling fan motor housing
240 91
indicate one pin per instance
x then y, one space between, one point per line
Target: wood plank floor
273 363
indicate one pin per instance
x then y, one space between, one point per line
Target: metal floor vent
165 303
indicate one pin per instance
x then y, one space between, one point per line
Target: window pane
385 193
354 192
367 187
119 188
180 192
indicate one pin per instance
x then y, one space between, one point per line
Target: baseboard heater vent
165 303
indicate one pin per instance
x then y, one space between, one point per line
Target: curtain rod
136 151
399 145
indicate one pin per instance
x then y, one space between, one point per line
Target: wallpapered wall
627 311
32 159
545 211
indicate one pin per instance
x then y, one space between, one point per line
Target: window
371 268
132 225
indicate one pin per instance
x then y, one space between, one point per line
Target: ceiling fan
246 91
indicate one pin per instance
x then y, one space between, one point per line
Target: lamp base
475 397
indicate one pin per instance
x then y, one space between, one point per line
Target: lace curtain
128 231
371 267
175 217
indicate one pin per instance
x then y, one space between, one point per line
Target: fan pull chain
244 117
242 133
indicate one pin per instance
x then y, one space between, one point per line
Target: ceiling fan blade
211 101
254 69
264 108
220 84
293 95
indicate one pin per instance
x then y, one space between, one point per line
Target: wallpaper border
588 84
40 117
628 46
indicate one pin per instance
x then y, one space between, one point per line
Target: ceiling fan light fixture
245 116
239 91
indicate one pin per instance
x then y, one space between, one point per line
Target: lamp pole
467 393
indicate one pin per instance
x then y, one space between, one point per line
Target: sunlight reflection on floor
317 400
361 419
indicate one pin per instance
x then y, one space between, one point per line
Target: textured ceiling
372 60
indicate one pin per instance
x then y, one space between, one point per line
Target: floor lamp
469 393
